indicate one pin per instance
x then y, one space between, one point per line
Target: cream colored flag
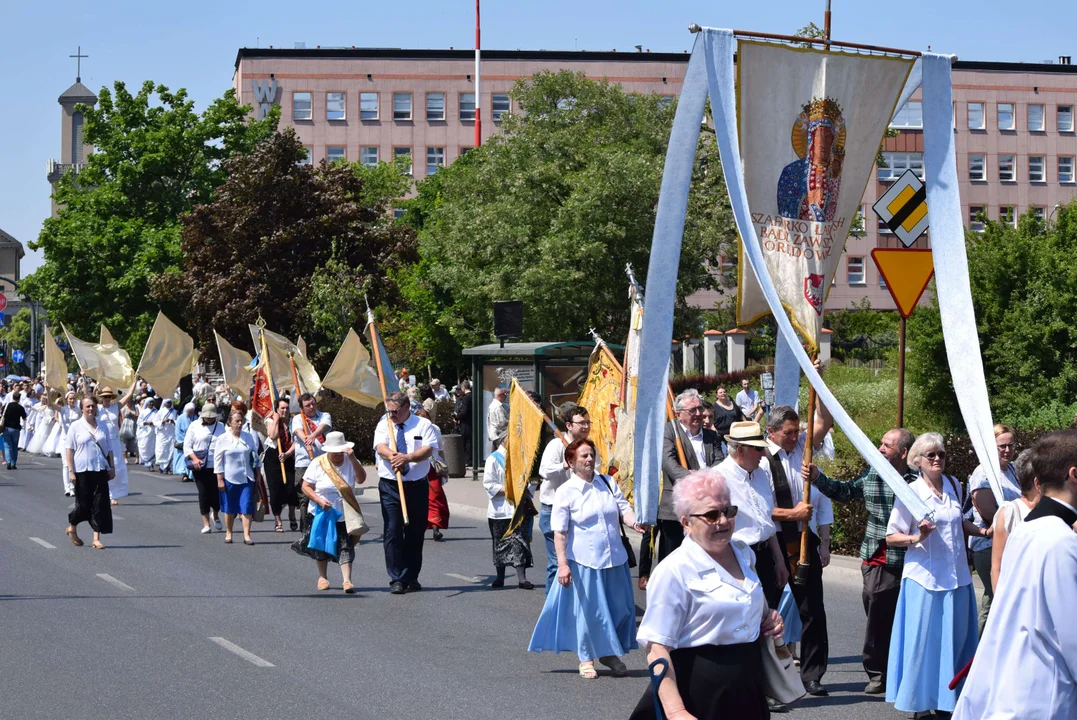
302 345
167 356
108 344
352 375
235 366
281 349
55 364
106 364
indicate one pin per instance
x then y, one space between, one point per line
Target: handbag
781 679
353 515
624 536
200 454
3 417
440 468
127 429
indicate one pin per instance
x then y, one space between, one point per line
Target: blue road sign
1 319
17 356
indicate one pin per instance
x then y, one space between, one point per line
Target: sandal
293 525
348 587
587 671
75 539
323 584
278 528
96 545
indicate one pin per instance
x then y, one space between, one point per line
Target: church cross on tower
78 59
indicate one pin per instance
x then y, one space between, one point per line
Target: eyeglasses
692 411
711 516
585 423
937 455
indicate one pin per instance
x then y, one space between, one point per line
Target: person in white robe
164 425
68 413
44 419
27 433
146 433
109 412
1026 664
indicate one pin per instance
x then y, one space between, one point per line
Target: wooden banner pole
801 577
901 373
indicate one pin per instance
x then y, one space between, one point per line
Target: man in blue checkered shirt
882 565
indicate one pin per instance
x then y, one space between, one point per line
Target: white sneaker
206 530
220 526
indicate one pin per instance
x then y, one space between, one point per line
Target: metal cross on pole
78 59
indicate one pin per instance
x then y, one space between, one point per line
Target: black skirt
514 550
92 503
283 489
716 682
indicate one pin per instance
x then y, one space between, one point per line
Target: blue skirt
934 636
790 613
237 499
594 617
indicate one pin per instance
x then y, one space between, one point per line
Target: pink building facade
1014 124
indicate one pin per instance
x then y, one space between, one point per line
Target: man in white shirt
498 412
786 444
1026 663
309 427
748 400
554 472
202 389
414 440
440 393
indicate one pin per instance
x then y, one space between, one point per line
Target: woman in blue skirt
238 468
935 631
591 611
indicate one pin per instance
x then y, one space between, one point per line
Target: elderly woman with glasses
934 632
705 613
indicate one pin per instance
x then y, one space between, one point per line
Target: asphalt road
168 623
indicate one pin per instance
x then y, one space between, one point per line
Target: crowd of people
723 619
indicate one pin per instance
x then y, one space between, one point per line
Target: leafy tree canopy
118 226
549 212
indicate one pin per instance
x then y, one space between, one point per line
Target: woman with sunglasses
705 612
934 632
591 611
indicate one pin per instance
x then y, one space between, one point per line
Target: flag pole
376 343
261 323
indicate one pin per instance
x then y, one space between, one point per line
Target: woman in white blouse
515 549
1013 513
934 634
591 611
90 467
238 468
68 414
705 613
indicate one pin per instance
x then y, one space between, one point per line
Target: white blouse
324 486
201 438
589 513
91 445
236 457
493 479
938 562
694 601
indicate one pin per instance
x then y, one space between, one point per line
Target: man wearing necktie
414 440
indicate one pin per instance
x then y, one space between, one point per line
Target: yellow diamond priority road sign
903 208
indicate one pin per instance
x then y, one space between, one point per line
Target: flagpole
272 396
376 343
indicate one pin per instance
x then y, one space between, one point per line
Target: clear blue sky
193 45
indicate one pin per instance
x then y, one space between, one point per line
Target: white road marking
42 543
109 579
117 517
246 655
168 498
465 578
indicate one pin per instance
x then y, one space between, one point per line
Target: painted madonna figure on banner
834 108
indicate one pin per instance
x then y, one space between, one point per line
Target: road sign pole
901 373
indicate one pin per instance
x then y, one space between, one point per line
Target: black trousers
809 596
92 503
404 543
767 572
882 585
670 537
209 497
282 488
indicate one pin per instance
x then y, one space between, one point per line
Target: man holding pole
309 428
786 444
404 455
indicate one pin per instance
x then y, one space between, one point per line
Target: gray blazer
671 464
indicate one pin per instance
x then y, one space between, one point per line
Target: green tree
295 244
16 332
118 226
549 212
1025 296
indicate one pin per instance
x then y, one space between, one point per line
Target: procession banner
811 122
623 447
169 355
383 365
353 375
109 345
302 345
521 447
55 364
281 350
235 366
601 396
106 364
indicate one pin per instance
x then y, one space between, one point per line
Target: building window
1038 212
435 106
401 106
977 167
976 116
308 155
301 106
1065 169
76 138
898 163
882 282
1007 168
854 270
368 106
335 153
1007 215
1065 118
435 158
465 150
368 155
401 152
398 213
467 106
1037 119
501 105
976 218
909 117
1005 116
334 105
1036 171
